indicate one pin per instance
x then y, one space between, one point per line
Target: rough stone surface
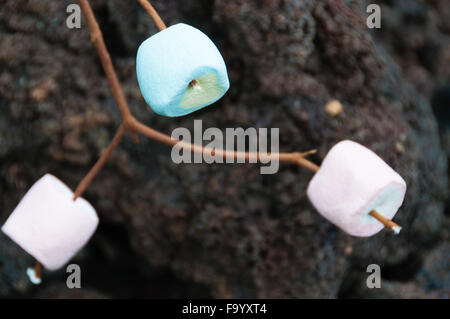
225 230
426 275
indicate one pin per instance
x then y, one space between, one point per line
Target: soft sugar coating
49 225
180 70
351 182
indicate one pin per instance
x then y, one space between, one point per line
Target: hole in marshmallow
194 83
201 91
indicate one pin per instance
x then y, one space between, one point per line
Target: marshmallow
167 65
352 182
49 224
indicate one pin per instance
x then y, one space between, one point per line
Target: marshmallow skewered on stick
50 225
356 190
180 70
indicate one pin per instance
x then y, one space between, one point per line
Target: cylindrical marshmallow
49 224
180 70
351 182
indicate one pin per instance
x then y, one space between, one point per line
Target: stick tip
36 280
386 222
310 152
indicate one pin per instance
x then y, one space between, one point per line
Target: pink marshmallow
352 182
49 224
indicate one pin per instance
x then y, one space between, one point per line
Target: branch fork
132 125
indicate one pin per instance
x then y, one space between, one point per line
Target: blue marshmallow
180 70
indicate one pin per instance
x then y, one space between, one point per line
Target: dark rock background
197 230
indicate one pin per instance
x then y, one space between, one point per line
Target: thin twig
100 163
386 222
153 14
38 270
105 58
293 158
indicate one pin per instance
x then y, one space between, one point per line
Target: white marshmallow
351 182
169 61
49 224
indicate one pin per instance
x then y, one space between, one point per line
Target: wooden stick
105 59
293 158
386 222
153 14
38 270
100 163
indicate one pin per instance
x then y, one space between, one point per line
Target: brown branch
129 123
105 58
38 270
294 158
386 222
100 163
153 14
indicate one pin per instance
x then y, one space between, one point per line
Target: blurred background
198 230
